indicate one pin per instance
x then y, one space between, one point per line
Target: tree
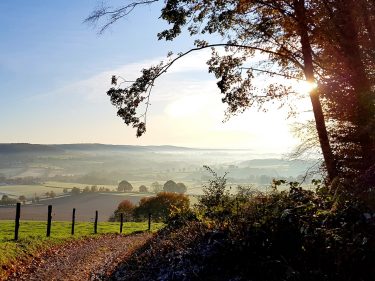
295 35
124 186
22 198
75 191
181 187
156 187
348 84
170 186
161 205
143 188
125 207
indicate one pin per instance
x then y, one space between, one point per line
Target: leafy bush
125 207
294 234
161 205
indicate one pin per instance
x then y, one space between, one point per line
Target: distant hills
8 148
11 148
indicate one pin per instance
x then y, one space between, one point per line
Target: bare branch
113 15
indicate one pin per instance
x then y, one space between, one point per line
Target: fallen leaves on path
92 258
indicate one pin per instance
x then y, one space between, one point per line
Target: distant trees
22 198
124 186
171 186
50 194
181 187
75 191
6 200
156 187
143 188
160 206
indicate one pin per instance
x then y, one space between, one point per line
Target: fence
73 221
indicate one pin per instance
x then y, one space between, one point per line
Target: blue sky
55 70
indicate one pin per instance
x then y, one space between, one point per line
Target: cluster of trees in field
87 189
169 186
160 207
20 180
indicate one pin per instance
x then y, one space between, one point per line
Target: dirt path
89 259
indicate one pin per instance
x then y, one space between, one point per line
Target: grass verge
32 237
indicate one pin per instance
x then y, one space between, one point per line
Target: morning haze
187 140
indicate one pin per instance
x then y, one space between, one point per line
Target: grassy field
28 190
32 236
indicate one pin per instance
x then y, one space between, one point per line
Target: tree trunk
365 101
328 156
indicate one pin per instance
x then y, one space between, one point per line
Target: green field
32 236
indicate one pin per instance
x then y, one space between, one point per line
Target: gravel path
88 259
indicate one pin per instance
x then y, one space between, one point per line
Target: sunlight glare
305 87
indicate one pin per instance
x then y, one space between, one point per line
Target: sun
304 87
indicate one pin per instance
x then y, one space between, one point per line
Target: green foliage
293 234
216 202
33 237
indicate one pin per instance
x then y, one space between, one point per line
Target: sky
55 71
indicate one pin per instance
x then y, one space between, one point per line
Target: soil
87 259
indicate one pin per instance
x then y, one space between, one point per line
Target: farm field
30 191
86 204
32 236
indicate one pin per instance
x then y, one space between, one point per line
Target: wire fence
48 228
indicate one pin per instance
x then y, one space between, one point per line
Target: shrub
127 208
161 205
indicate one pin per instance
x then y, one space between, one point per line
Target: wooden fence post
96 223
149 221
73 220
121 221
49 220
17 224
